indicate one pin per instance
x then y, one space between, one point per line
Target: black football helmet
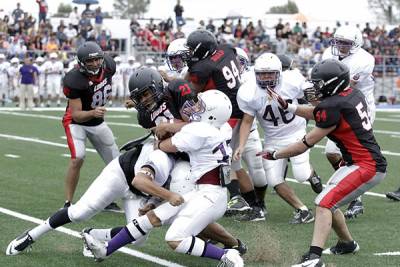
201 43
87 57
330 77
146 88
286 61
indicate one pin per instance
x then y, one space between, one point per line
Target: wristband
291 108
158 145
305 142
274 155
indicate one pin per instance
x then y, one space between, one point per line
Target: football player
4 65
254 164
280 128
177 55
88 88
205 140
13 78
41 88
213 66
54 69
342 116
346 46
118 92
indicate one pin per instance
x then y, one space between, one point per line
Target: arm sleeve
199 73
326 116
71 93
144 120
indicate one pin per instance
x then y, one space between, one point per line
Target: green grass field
32 184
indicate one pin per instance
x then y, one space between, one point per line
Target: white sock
304 207
40 230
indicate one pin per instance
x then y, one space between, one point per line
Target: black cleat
310 260
114 208
315 182
241 247
256 214
355 209
395 195
302 216
237 205
343 248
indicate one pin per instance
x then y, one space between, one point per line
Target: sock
139 227
115 231
40 230
304 207
105 234
233 188
261 191
250 197
59 218
192 246
213 252
121 239
316 250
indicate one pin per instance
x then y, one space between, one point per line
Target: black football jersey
169 109
219 71
127 161
353 134
93 92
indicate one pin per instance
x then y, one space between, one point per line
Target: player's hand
175 199
99 112
129 104
238 153
277 98
164 75
146 208
269 155
162 131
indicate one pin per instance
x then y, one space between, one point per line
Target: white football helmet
268 69
53 55
131 59
243 59
213 107
14 60
346 40
177 54
118 59
39 60
180 178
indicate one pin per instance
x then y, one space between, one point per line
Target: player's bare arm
80 115
166 146
163 129
144 183
244 131
305 111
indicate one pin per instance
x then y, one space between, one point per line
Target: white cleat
97 248
231 258
19 244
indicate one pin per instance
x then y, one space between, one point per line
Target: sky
343 10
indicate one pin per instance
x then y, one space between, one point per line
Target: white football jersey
174 74
276 123
206 145
130 68
42 74
53 68
13 70
119 74
4 71
361 65
250 77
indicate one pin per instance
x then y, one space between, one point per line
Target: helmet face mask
267 79
93 65
192 110
341 47
90 58
177 61
146 99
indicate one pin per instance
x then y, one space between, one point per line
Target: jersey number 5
363 113
231 75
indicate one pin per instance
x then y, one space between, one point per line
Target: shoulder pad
110 64
74 79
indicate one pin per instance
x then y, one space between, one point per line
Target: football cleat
256 214
302 216
395 195
241 247
310 260
236 205
355 209
98 248
231 258
86 251
19 244
67 204
343 248
114 208
315 182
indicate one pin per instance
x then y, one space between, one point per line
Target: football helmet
53 55
90 58
177 54
346 40
146 89
14 60
330 77
181 95
180 178
39 59
201 43
243 59
212 107
131 59
286 61
118 59
268 69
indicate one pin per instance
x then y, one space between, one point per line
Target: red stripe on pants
67 119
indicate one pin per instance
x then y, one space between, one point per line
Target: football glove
269 155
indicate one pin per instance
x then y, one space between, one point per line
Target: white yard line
12 156
393 253
73 233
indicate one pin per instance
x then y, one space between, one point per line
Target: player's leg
275 173
302 171
103 140
76 139
109 185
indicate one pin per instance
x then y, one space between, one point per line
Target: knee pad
191 245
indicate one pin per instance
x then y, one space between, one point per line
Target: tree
64 9
127 8
289 8
385 9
